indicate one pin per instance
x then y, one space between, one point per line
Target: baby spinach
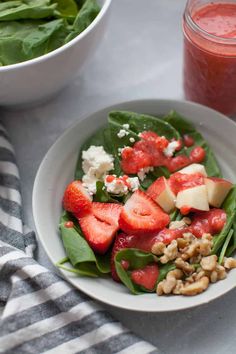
31 28
85 16
79 253
229 207
185 127
138 259
27 9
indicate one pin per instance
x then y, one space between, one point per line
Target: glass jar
210 54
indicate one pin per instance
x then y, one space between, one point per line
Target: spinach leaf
67 9
232 246
79 253
229 207
138 259
85 17
24 40
185 127
225 246
28 9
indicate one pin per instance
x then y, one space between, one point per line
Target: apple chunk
161 193
193 198
194 168
217 190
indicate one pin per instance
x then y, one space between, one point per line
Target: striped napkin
40 312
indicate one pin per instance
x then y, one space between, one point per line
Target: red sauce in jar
210 55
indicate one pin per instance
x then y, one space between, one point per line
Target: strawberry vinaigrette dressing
210 54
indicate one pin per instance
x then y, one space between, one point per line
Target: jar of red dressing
210 54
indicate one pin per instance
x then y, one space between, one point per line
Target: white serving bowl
37 79
57 170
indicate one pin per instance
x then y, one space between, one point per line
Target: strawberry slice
134 160
100 225
76 199
146 277
141 214
121 241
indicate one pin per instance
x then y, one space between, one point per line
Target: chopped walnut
187 220
184 266
167 285
170 252
177 224
179 285
205 246
229 263
158 248
213 276
221 272
182 243
208 237
209 263
195 288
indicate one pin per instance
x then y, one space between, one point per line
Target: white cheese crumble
142 173
132 140
134 183
119 187
170 149
96 163
126 126
122 133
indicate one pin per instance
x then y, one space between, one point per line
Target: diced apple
217 190
193 198
194 168
161 193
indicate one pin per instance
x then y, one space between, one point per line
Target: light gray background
140 57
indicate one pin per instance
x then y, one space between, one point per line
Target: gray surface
140 57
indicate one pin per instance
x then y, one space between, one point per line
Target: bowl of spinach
43 43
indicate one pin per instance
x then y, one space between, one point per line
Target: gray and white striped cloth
40 312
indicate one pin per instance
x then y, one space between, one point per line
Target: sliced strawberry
148 135
167 235
177 162
211 221
107 212
156 188
76 199
180 181
100 225
121 241
154 149
141 214
146 277
134 160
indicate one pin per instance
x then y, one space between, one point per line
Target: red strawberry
76 199
107 212
134 160
100 225
141 214
146 277
121 241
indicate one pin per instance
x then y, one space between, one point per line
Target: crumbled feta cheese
170 149
117 187
126 126
142 173
122 133
134 183
96 163
121 185
132 140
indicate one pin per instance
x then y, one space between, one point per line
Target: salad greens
79 253
173 126
31 28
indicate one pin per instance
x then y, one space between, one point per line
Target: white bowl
37 79
57 170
